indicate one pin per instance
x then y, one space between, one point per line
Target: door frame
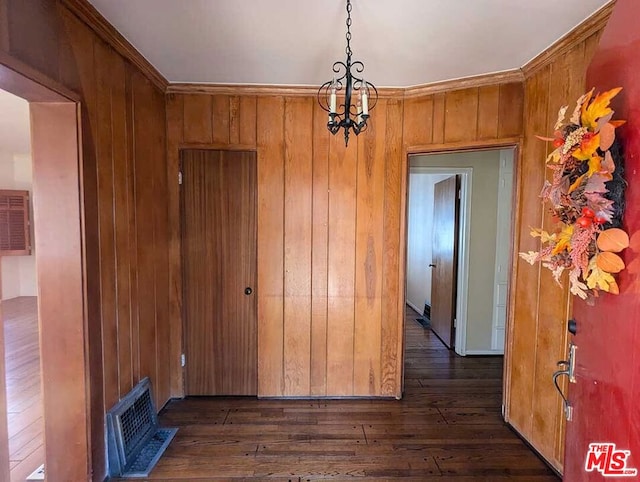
464 234
59 214
447 148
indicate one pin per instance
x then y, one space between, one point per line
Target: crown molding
494 78
256 89
590 26
107 32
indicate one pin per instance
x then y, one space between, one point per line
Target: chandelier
350 116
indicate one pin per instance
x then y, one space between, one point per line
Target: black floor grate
136 442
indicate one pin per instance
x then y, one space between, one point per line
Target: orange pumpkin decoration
609 262
614 240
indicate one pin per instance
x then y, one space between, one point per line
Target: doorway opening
480 247
57 223
19 291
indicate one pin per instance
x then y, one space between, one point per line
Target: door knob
248 291
432 266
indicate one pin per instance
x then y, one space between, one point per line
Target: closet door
219 262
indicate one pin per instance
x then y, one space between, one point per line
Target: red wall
607 395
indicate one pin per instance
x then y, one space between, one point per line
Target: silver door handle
569 370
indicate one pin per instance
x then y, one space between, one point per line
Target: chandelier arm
349 116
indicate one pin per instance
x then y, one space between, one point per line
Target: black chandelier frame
348 116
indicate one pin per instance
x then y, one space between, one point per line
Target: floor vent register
136 441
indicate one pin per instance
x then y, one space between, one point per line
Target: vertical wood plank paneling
34 35
161 236
220 111
298 171
133 231
538 334
117 160
197 108
320 233
566 83
248 125
531 177
341 266
461 115
418 121
145 204
4 27
81 41
509 116
351 245
488 104
369 251
438 118
104 152
270 122
175 121
234 120
122 204
393 295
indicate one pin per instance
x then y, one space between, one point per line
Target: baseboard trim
413 307
484 352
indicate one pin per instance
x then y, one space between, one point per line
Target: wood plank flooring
24 398
447 427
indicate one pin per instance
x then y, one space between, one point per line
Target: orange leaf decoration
599 107
607 136
587 147
576 183
609 262
613 288
614 240
595 165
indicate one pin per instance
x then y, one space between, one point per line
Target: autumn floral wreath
585 195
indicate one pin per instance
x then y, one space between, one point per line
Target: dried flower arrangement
586 239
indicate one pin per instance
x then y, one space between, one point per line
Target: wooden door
444 259
219 272
603 436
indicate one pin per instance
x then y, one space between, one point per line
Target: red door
606 395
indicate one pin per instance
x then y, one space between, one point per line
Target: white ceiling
295 42
15 135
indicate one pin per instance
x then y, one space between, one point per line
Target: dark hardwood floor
447 427
24 398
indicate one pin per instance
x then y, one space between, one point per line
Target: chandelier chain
348 35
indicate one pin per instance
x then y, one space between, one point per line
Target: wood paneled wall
330 223
473 116
538 331
328 238
125 212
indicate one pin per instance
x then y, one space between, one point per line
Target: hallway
447 426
